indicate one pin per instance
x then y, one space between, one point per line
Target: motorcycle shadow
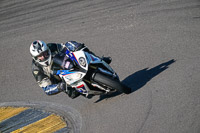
139 79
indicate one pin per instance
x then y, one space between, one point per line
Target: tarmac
155 50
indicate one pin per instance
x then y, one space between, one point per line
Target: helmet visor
44 56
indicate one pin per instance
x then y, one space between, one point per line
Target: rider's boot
72 93
107 59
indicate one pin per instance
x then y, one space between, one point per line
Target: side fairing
96 60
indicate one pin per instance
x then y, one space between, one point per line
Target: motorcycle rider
47 58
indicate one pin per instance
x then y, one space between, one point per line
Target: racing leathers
45 77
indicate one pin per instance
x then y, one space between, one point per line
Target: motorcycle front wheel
111 83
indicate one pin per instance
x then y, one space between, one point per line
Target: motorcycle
90 74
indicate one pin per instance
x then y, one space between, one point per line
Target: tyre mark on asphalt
147 116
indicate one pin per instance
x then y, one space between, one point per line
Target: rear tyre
112 83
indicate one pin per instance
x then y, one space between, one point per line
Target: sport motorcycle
90 75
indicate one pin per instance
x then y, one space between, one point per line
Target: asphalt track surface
155 49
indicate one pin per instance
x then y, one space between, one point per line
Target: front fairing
75 75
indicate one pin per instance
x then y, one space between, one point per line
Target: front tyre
111 83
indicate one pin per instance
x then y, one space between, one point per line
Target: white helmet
40 52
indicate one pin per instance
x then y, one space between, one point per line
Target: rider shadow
139 79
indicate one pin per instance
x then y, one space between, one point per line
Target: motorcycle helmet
40 52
